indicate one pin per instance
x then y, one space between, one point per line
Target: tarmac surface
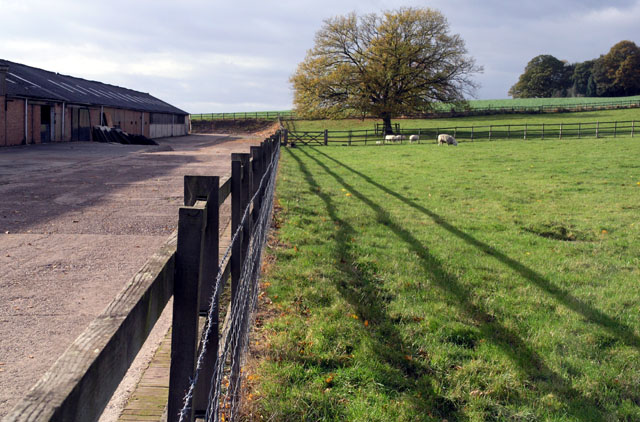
77 220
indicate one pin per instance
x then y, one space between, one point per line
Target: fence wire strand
235 340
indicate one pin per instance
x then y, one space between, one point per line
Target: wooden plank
207 188
81 382
184 338
225 191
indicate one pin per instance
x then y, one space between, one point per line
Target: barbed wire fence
219 363
236 337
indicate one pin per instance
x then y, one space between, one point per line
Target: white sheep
400 138
447 139
414 138
389 138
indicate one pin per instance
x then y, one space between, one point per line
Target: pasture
537 105
488 281
546 102
496 119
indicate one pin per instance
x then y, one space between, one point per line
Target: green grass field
473 104
492 281
542 102
499 119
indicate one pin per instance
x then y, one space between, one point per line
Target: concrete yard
77 220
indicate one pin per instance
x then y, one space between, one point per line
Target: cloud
239 55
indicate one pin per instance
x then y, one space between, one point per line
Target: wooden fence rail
471 133
81 382
442 112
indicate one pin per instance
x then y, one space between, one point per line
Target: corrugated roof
31 82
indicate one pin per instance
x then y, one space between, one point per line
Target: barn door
45 124
80 124
84 124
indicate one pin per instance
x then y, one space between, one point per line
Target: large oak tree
400 62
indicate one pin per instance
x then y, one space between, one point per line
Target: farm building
38 106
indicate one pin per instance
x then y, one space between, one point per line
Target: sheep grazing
414 138
394 138
447 139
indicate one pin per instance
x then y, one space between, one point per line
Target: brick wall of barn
34 123
3 134
14 122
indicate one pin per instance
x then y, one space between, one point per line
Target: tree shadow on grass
624 333
528 361
363 293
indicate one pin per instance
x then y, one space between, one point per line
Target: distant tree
544 76
398 63
617 73
601 84
592 88
581 76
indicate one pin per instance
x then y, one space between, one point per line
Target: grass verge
483 282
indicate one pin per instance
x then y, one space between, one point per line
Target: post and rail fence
205 374
525 131
438 112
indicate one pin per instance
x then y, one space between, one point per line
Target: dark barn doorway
80 125
45 124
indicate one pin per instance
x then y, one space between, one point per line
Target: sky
207 56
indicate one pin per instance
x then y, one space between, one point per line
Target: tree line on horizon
615 74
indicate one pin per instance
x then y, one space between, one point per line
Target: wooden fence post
206 188
597 129
240 190
236 217
349 137
579 130
184 334
471 133
257 162
560 137
326 136
543 131
508 131
525 132
615 128
490 130
633 124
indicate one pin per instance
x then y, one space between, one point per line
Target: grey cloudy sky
214 56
